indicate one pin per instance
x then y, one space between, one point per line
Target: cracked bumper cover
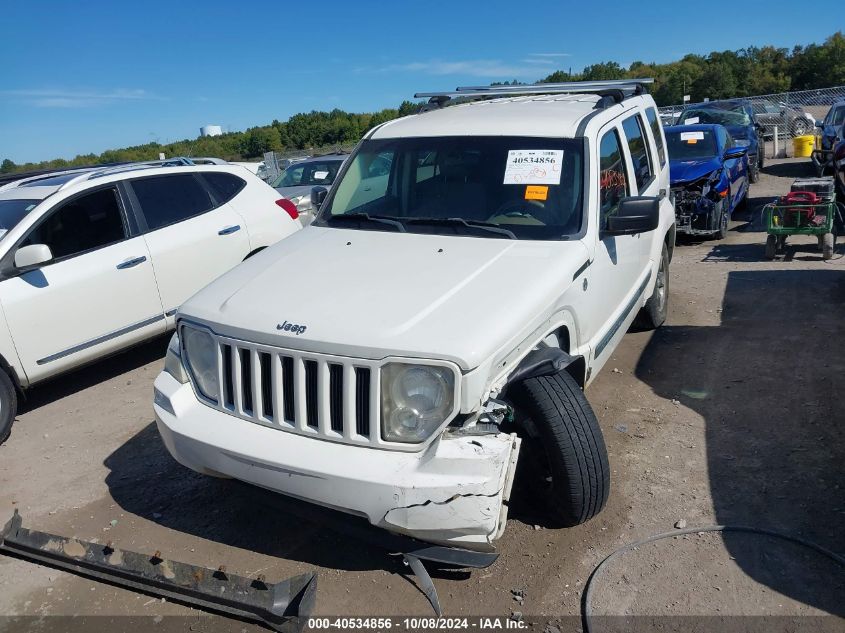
454 492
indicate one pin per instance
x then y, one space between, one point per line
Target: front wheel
567 460
722 230
827 245
653 313
8 405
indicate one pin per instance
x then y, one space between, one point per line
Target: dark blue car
738 117
708 174
832 131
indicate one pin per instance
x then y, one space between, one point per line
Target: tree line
719 75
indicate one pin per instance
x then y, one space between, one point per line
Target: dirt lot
732 413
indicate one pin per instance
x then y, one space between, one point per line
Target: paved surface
730 414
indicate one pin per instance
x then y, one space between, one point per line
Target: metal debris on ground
282 606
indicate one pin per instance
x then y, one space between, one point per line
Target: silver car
296 181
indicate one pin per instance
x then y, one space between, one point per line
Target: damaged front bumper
454 492
696 213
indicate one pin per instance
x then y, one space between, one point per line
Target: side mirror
28 257
318 195
636 214
736 152
819 123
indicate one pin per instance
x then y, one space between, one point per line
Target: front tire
653 313
722 231
827 246
568 458
8 405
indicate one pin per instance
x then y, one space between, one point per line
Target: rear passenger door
192 235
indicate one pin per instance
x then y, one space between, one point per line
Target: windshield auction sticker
692 137
533 167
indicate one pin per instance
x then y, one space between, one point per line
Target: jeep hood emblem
291 327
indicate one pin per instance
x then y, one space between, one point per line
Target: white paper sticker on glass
691 121
320 175
533 167
692 136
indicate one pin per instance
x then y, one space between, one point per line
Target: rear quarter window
224 186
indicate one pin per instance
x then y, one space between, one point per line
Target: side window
170 199
225 186
80 225
613 176
654 122
639 151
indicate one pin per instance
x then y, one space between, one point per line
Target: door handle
132 261
229 229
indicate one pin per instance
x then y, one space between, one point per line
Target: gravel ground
730 414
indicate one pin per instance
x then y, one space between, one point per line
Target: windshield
530 187
312 173
715 115
13 211
691 145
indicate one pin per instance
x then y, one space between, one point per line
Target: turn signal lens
289 207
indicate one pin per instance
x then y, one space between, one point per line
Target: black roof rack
611 91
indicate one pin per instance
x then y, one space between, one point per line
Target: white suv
459 300
92 261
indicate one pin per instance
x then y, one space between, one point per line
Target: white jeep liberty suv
470 271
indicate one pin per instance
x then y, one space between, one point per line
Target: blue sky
82 77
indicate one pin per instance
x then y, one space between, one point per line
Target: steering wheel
520 209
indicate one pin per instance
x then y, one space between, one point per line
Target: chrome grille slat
333 398
236 380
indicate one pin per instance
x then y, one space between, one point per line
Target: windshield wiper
486 226
380 219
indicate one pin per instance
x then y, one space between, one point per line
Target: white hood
373 294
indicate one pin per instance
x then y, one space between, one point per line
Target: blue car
708 174
831 131
738 117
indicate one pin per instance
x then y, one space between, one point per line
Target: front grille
311 394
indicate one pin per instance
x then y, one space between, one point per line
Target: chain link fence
276 162
783 115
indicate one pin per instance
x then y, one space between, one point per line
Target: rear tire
8 405
568 461
653 313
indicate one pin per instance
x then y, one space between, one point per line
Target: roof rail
176 161
615 89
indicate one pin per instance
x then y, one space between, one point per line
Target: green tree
7 166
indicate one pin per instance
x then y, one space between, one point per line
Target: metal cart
809 209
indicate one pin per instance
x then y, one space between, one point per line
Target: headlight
201 360
173 360
415 401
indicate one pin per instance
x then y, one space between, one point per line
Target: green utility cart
808 209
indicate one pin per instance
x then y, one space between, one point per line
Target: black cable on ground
586 601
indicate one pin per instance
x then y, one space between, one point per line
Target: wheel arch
254 251
7 368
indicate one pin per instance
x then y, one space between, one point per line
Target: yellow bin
803 145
